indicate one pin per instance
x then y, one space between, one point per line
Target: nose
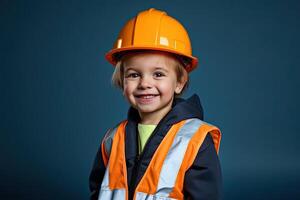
145 82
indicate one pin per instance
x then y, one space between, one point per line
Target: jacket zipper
136 168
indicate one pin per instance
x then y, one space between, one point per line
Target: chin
146 110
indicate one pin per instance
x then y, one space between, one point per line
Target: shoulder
206 133
208 141
109 136
196 125
199 122
110 133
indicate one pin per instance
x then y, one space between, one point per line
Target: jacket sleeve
203 181
96 175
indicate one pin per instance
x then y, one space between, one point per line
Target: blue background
57 100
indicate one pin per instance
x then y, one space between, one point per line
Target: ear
181 83
179 87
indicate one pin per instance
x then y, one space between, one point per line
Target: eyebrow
156 68
160 68
129 68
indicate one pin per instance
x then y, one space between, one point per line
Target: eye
159 74
132 75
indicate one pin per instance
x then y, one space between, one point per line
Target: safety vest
164 177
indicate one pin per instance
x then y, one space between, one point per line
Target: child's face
150 82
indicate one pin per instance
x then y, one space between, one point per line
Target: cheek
127 90
167 87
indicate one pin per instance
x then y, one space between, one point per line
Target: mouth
146 96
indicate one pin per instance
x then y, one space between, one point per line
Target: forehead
149 60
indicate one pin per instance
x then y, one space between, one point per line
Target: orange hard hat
154 30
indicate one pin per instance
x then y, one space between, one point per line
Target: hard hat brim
112 57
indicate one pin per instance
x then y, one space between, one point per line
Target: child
163 150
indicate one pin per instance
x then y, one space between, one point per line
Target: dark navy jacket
203 181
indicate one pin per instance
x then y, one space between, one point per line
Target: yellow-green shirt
145 130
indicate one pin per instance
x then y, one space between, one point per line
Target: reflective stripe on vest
106 146
164 176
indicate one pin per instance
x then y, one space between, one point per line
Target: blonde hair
118 74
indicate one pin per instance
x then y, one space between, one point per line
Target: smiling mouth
146 96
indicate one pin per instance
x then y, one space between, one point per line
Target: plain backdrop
57 100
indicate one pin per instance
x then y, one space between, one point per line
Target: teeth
146 96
